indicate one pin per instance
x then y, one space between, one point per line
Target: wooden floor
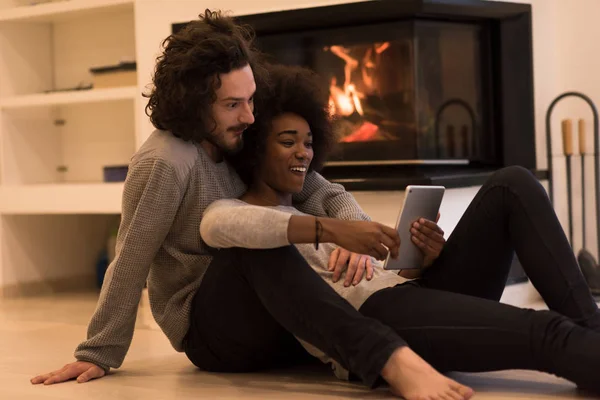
40 334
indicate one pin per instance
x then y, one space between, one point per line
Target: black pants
250 300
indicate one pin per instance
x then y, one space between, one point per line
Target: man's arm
323 198
152 195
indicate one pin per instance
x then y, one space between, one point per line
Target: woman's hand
82 370
356 264
428 237
362 237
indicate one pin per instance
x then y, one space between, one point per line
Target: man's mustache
238 128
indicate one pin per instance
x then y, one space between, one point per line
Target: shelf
67 198
62 10
72 97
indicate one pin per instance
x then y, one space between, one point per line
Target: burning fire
346 100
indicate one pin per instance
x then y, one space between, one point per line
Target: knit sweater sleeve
151 197
323 198
232 223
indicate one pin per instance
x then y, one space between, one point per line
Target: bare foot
413 378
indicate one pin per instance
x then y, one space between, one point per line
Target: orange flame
345 100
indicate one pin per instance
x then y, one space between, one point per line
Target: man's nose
247 116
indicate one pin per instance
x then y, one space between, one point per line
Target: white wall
577 31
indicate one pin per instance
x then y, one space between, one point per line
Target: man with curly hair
227 312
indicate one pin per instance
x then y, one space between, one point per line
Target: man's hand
82 370
428 237
342 259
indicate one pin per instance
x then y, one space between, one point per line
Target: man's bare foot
413 378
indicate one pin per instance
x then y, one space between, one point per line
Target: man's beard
218 140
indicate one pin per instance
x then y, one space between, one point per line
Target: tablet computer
419 202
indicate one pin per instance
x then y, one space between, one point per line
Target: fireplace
402 92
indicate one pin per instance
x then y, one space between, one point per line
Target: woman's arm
231 223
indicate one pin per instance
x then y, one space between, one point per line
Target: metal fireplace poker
587 262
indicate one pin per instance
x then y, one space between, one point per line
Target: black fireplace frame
512 83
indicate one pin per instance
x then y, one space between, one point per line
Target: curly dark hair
290 89
187 73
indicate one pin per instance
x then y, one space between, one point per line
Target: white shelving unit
55 142
66 98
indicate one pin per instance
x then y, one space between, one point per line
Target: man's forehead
237 84
236 93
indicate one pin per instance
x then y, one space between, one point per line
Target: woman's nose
302 154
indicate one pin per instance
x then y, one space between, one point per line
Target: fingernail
416 224
422 220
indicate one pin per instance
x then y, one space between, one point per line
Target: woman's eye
288 143
309 145
232 105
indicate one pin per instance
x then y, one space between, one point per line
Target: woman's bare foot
413 378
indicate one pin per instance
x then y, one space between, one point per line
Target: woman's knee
515 177
513 173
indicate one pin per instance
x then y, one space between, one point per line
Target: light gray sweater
234 223
169 185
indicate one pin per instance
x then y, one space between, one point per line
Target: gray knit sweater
169 185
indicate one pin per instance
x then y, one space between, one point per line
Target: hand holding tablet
419 202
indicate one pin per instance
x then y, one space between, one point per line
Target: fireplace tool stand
587 262
469 145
